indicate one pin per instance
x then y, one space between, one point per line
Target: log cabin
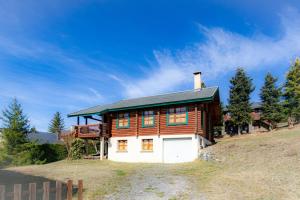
168 128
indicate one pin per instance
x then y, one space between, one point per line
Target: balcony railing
87 131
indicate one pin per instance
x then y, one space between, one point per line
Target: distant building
257 123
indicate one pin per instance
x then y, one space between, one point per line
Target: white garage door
177 150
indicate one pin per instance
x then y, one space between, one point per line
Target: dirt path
156 182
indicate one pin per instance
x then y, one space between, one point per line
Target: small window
147 144
122 145
148 118
123 120
177 116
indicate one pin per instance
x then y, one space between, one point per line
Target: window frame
143 119
118 146
142 145
177 123
121 127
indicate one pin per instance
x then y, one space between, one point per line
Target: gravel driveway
156 182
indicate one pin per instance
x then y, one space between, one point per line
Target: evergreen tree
292 92
57 124
270 97
16 127
239 105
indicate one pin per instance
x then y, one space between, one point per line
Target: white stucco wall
134 148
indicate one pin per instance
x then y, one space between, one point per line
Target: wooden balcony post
101 147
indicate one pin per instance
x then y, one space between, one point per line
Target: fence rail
31 193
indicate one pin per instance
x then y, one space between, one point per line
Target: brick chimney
197 81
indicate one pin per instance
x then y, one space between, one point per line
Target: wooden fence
46 190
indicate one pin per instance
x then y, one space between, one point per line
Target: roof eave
207 99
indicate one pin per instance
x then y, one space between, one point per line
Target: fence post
46 188
70 189
17 191
80 190
32 191
58 190
2 192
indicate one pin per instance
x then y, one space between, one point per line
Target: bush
77 149
33 153
54 152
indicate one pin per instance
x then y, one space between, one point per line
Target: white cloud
221 52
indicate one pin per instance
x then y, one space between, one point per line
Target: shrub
77 149
33 153
54 152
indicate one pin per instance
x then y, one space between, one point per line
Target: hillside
258 166
255 166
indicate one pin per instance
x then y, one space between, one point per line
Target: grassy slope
258 166
261 166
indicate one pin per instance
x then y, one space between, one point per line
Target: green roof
204 94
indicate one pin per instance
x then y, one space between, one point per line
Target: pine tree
57 124
16 127
270 97
292 92
239 105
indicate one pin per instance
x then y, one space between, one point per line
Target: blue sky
67 55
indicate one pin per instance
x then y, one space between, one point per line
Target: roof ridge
167 93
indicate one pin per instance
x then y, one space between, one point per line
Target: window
177 116
123 120
148 118
147 144
122 145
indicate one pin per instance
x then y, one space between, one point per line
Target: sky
68 55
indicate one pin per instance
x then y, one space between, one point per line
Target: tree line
17 149
279 103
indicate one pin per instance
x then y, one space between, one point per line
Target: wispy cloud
221 52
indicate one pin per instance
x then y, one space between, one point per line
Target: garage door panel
177 150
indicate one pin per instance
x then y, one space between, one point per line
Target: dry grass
99 177
256 166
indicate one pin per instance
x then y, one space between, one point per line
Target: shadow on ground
9 178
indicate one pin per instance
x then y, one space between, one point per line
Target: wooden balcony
89 131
